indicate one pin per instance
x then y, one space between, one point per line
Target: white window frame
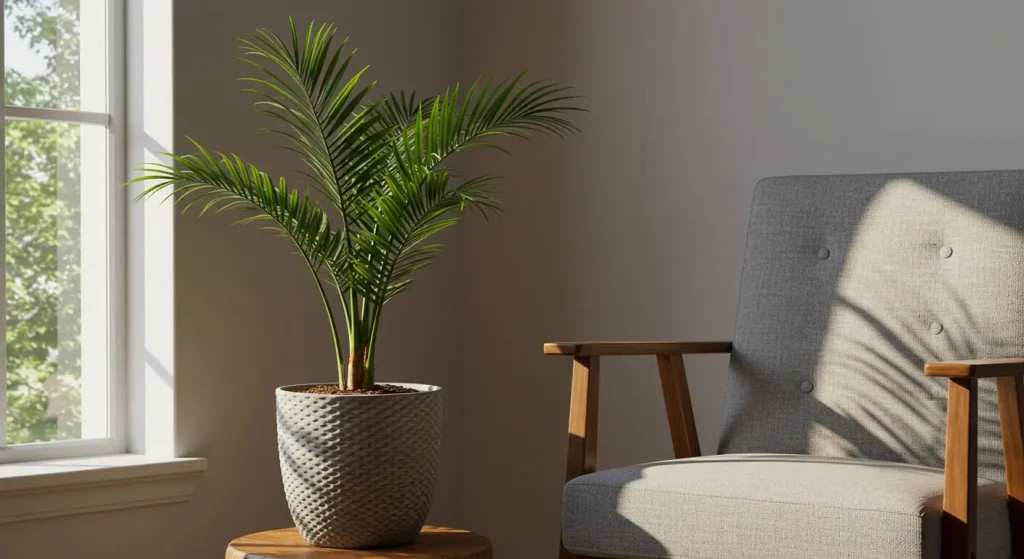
109 402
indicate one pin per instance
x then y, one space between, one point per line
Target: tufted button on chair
873 395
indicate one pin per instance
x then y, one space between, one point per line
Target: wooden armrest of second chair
582 451
596 349
959 498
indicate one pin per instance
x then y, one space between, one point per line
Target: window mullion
56 115
117 199
95 220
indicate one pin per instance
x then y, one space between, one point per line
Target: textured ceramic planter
359 471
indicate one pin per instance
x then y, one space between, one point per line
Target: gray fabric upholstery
770 506
829 344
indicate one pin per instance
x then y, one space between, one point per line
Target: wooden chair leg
960 496
582 456
1011 390
583 417
678 406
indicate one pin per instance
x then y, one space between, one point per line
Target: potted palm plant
358 458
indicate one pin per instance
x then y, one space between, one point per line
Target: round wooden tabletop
434 542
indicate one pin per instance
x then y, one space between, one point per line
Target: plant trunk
356 369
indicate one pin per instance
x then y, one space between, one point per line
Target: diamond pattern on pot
359 471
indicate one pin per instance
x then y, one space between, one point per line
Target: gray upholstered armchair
874 383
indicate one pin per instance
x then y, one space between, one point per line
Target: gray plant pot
359 471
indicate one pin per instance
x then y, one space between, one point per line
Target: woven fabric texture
770 506
359 471
851 283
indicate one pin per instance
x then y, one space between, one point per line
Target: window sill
32 490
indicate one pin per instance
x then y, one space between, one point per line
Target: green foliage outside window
41 259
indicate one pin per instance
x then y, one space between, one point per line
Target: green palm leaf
226 182
307 89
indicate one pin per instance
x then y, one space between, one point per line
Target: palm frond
404 218
226 182
305 85
432 131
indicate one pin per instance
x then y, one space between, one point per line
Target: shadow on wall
850 284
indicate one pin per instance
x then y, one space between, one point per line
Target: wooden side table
434 542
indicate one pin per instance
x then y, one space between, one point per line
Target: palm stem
353 330
357 369
371 351
368 334
339 358
348 328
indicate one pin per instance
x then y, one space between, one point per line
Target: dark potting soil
377 389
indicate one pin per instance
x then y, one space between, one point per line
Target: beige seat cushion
770 505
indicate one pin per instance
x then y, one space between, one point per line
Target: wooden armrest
976 368
595 349
581 457
960 493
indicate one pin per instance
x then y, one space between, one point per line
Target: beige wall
231 351
636 229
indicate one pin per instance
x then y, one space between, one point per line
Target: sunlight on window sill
32 490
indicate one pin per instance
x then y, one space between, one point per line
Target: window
63 228
89 306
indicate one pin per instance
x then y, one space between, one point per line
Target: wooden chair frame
960 495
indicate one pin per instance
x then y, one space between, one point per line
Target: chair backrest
851 283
